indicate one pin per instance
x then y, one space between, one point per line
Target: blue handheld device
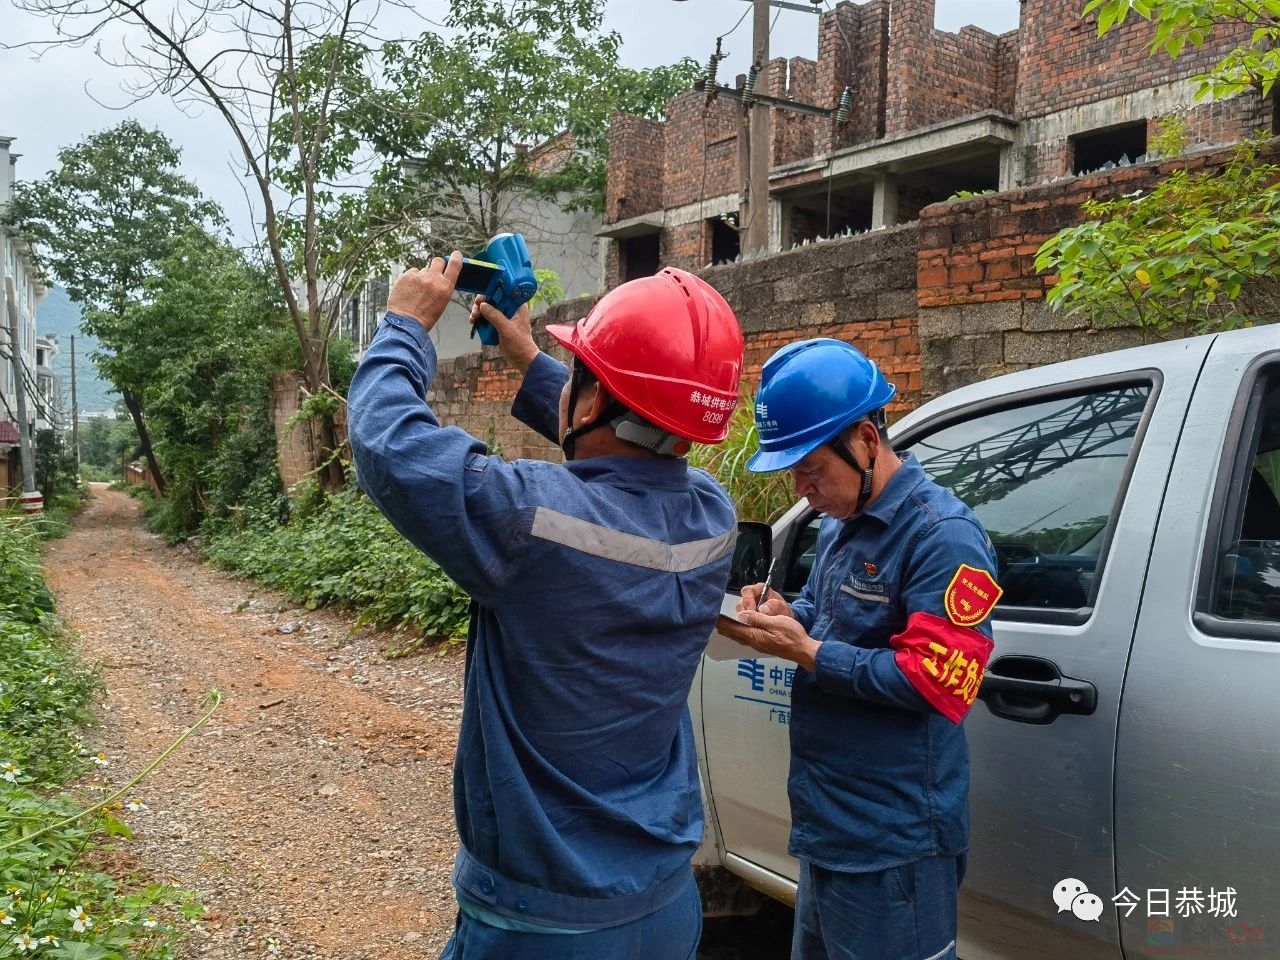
503 273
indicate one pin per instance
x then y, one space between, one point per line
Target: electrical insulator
846 103
713 64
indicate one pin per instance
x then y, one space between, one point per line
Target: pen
768 583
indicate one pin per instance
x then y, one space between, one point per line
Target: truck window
1245 583
1045 479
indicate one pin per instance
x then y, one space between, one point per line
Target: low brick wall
982 311
947 301
860 289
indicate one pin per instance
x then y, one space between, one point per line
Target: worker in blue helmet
891 637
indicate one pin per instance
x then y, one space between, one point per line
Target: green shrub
341 551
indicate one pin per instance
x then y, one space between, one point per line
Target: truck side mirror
751 555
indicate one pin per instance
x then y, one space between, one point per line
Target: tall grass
759 496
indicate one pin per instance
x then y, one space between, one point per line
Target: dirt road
313 814
314 809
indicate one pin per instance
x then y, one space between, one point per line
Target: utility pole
75 412
755 218
20 390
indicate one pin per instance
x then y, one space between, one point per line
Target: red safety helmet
666 347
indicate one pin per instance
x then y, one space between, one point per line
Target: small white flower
25 942
273 945
9 771
6 918
50 938
80 919
135 806
149 923
50 679
101 760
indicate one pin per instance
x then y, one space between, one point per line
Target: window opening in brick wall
809 218
1104 149
639 256
976 173
725 243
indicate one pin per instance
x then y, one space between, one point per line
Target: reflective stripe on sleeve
598 541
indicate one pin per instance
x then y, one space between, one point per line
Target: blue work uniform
595 585
879 780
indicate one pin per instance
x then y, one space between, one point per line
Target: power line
738 24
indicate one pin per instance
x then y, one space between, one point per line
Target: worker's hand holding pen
766 623
763 598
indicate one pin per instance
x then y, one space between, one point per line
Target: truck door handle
1033 690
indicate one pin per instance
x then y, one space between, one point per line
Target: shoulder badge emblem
971 596
871 568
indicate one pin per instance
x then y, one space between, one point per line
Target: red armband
943 661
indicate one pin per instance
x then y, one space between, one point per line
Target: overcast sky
50 103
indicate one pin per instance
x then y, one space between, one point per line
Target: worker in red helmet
595 586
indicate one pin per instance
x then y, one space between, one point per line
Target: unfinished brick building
932 113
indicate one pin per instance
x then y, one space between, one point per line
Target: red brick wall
793 133
636 157
910 27
852 51
686 246
1006 71
983 250
960 76
1064 63
701 148
981 302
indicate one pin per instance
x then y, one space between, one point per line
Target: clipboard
722 645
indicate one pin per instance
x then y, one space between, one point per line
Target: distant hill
59 314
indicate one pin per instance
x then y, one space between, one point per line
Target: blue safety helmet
809 392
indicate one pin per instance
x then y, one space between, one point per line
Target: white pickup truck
1128 743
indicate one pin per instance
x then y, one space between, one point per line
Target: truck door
1067 479
1198 759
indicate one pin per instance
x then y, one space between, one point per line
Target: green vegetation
341 550
54 901
759 496
1199 249
104 442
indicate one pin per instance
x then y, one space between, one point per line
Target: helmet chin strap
867 473
627 426
569 442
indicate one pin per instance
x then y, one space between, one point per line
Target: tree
55 465
103 442
112 210
214 330
1200 249
514 102
281 86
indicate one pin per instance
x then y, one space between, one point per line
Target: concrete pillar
1013 166
884 201
776 238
